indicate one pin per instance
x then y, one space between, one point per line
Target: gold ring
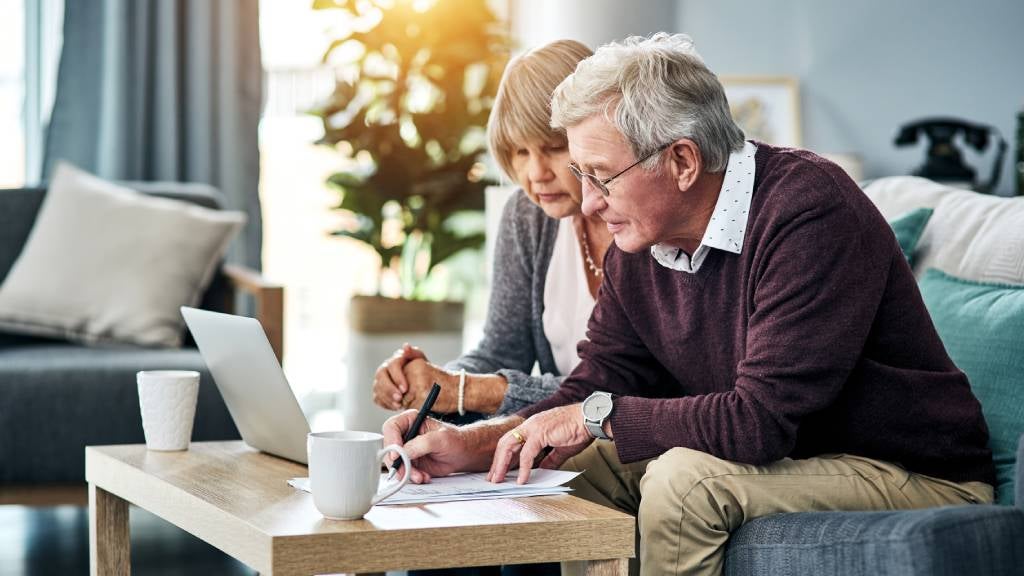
518 435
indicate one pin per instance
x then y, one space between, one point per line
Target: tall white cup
344 472
167 400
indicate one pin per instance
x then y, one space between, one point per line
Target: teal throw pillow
982 327
908 228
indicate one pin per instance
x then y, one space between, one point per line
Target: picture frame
766 108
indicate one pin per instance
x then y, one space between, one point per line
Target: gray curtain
164 90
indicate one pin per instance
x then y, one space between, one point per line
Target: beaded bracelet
462 391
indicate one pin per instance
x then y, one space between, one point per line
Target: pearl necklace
586 254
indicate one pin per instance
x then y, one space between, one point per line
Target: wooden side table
237 499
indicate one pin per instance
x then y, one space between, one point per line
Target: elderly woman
547 265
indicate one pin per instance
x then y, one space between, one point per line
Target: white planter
379 326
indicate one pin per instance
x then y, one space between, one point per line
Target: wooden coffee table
237 499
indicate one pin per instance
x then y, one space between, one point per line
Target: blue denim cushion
1020 473
953 541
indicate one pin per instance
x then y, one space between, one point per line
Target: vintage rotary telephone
944 161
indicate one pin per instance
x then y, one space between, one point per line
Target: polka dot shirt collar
728 222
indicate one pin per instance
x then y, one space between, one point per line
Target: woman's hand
441 449
437 450
389 383
420 376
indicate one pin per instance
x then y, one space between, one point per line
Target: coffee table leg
615 567
108 534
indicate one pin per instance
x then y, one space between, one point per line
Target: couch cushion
982 326
18 208
58 398
104 263
898 195
908 229
970 235
1020 473
935 542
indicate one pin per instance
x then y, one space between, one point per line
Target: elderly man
759 344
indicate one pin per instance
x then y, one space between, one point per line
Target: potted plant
410 107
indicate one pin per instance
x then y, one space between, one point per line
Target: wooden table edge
220 529
111 480
305 554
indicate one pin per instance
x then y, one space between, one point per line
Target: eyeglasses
602 185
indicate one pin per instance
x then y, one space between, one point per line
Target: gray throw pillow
107 264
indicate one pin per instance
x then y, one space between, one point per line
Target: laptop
251 381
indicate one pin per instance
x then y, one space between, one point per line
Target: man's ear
686 162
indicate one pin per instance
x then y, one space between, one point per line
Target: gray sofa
57 397
970 236
948 541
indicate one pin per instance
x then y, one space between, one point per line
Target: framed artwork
767 108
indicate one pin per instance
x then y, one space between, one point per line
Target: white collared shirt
729 220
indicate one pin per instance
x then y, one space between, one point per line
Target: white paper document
471 487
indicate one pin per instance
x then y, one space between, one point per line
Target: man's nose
593 200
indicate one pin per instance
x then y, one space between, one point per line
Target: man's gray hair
654 91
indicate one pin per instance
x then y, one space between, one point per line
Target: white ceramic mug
167 400
344 472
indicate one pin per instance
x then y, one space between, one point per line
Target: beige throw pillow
106 264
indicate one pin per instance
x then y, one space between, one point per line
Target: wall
866 67
592 22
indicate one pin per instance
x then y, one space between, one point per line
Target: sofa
56 397
976 239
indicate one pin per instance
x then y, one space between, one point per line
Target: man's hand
389 383
560 428
420 376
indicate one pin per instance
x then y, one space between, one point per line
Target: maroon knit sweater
813 340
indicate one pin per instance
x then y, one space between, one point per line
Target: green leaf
345 180
445 245
360 235
331 48
329 4
389 253
362 201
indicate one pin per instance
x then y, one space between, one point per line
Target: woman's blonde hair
522 107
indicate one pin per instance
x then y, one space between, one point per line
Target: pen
415 429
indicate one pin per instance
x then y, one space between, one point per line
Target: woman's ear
686 162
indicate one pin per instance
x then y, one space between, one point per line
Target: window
319 272
12 93
30 41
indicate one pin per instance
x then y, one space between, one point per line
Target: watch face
597 407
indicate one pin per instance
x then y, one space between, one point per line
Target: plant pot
379 326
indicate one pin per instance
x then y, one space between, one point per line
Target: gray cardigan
514 337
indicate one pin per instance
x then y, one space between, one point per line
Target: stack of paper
471 487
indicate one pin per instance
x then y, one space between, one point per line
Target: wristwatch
596 409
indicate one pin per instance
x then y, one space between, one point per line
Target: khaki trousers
688 502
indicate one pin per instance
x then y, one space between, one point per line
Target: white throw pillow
107 264
971 236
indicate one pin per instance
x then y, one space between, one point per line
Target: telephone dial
944 160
